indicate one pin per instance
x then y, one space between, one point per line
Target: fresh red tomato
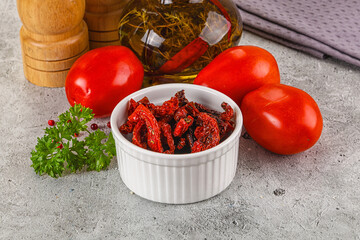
102 77
282 119
239 70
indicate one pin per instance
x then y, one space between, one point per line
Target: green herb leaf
61 149
110 148
47 158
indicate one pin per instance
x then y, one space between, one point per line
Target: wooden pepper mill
53 37
102 18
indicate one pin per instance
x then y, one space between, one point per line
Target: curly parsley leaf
47 157
110 145
97 158
60 148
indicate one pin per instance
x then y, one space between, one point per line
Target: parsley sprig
60 148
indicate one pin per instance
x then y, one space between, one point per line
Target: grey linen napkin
318 27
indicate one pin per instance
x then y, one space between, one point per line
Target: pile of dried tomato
178 125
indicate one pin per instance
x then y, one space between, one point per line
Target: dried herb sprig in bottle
175 39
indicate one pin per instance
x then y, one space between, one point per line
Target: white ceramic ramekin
177 178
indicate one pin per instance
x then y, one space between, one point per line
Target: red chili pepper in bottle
185 57
183 125
153 130
225 13
195 49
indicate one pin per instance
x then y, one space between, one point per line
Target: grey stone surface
317 194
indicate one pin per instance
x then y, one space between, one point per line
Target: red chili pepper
226 15
185 57
183 125
153 130
194 50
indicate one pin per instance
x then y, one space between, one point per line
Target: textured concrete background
321 197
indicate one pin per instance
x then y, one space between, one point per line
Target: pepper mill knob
53 37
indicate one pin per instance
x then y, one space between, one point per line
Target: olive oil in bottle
175 39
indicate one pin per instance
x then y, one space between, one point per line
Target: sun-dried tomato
226 128
199 132
177 125
202 108
144 101
180 95
183 125
132 106
180 113
127 127
181 144
208 134
153 130
229 112
166 132
190 137
138 132
191 109
168 108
